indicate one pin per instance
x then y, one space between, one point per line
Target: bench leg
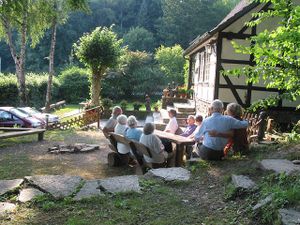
41 136
179 155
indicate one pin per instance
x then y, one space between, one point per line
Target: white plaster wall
229 52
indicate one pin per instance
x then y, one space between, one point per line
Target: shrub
74 84
124 104
36 87
137 105
106 103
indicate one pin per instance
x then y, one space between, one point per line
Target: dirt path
33 159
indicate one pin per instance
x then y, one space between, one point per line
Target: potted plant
190 93
137 106
182 92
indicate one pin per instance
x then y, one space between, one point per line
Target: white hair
217 105
122 119
132 122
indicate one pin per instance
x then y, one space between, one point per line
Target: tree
171 62
25 19
139 38
183 21
275 52
59 15
99 51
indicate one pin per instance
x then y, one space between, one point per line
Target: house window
201 72
207 67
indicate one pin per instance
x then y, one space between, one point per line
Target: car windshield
19 113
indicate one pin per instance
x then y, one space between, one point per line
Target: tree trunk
51 66
95 89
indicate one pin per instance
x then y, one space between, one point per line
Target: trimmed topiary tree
98 50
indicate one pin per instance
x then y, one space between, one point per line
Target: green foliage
275 52
36 89
171 62
124 104
137 105
140 39
181 22
106 103
285 191
74 84
134 77
99 50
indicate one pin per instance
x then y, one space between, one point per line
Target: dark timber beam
233 90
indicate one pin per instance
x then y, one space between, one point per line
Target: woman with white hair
132 132
159 155
120 129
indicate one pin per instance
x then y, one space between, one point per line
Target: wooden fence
88 117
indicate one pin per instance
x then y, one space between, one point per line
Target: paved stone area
120 184
9 185
28 194
170 174
6 207
280 166
289 217
59 186
242 182
89 189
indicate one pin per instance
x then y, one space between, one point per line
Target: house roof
243 7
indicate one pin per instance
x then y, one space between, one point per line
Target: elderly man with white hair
212 146
112 122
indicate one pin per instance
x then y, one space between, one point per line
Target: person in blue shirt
212 146
191 126
132 132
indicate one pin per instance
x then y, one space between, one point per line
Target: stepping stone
120 184
59 186
296 162
263 202
28 194
280 166
170 174
6 208
242 182
89 189
9 185
289 216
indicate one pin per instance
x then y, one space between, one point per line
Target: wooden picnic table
180 142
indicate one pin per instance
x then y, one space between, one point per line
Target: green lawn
66 109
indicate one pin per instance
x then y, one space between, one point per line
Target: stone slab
120 184
6 207
28 194
89 189
59 186
170 174
263 202
280 166
242 182
289 217
9 185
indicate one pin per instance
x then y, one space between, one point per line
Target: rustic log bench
17 132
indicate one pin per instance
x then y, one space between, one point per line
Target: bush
75 84
124 104
106 103
137 105
36 87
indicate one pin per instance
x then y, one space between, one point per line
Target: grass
66 109
208 198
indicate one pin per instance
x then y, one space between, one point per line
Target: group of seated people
215 134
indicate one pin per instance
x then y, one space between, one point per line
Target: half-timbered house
213 52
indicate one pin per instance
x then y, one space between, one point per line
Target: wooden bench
17 132
56 105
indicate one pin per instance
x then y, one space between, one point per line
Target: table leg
179 155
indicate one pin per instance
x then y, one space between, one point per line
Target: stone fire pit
76 148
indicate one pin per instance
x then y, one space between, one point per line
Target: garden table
180 141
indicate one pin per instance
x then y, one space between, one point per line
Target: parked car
11 117
37 114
